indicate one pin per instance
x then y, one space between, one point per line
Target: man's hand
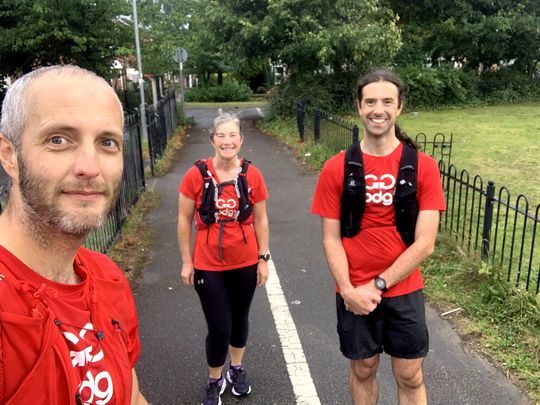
187 274
363 299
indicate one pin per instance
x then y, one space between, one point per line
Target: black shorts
397 326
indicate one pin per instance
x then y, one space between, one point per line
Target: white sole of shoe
240 395
236 394
223 386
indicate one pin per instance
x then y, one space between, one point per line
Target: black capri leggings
225 298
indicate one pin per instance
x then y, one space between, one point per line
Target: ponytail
404 138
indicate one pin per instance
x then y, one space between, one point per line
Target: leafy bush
325 92
427 88
224 93
261 90
508 86
434 87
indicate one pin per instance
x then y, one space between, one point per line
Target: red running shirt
236 253
61 340
378 244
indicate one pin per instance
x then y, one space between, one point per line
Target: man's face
379 108
70 163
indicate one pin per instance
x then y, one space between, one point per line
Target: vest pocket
37 374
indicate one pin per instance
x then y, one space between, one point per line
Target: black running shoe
240 383
212 396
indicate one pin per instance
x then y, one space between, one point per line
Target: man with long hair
372 257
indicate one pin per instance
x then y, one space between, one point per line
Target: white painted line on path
220 111
297 366
260 112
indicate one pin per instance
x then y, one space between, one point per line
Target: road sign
180 56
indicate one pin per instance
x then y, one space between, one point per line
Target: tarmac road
299 299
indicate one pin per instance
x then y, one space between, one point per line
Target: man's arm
260 224
425 235
186 211
136 396
360 300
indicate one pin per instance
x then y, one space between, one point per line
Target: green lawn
501 143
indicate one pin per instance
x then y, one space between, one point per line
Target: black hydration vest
212 191
353 198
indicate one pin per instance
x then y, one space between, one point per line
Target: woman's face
227 140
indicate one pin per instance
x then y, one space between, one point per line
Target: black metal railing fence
160 125
161 120
321 127
132 186
492 225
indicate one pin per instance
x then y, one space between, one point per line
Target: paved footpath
292 355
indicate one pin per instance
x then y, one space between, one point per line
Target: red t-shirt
236 253
60 340
378 244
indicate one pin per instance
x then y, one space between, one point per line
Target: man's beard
41 204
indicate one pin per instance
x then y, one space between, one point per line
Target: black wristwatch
380 284
265 257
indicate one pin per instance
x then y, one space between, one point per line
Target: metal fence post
300 117
316 125
355 134
488 219
150 131
140 149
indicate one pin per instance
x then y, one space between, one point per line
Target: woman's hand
187 274
262 273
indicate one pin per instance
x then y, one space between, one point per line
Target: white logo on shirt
227 208
96 389
380 187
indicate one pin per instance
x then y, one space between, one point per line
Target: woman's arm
260 224
186 212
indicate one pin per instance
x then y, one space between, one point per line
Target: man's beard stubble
43 213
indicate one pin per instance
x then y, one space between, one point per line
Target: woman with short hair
226 196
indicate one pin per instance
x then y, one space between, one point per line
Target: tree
170 24
476 33
162 26
43 32
307 35
333 41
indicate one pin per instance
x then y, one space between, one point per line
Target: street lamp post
139 67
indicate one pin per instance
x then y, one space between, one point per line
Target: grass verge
493 318
132 249
496 320
311 154
163 165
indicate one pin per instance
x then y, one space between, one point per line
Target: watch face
380 283
265 257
